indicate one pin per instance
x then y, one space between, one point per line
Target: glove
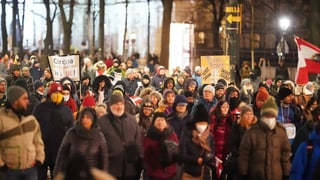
285 177
38 164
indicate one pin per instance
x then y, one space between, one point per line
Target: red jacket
71 104
152 156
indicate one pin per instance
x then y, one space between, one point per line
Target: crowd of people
123 122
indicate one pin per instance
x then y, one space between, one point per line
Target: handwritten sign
65 66
215 68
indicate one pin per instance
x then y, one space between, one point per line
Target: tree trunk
67 26
165 36
48 41
124 51
101 29
21 28
3 27
90 27
14 22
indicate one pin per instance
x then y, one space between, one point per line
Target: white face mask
66 98
270 122
201 128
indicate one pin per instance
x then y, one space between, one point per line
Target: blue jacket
299 169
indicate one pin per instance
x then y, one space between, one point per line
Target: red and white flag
307 63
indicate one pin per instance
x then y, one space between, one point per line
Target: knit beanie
14 93
37 84
200 114
118 88
88 101
269 107
115 98
283 92
209 88
245 108
262 94
158 114
166 92
22 83
179 100
222 81
54 87
219 86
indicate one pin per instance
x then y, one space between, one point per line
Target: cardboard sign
215 68
65 66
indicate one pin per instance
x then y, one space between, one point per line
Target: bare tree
124 52
89 29
165 37
48 41
67 25
101 28
3 27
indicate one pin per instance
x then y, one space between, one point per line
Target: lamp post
282 47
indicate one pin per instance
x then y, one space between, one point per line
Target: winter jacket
124 144
300 169
36 73
157 81
153 154
178 123
264 154
89 142
131 85
20 140
189 153
54 120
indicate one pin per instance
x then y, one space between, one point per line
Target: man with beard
123 140
219 87
55 119
21 145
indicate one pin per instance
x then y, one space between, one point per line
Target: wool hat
245 108
22 83
188 94
88 101
115 98
146 76
54 87
283 92
197 68
187 69
270 107
14 93
147 105
158 114
209 88
37 84
222 81
166 92
200 114
15 67
129 71
179 100
269 82
118 88
262 94
219 86
36 62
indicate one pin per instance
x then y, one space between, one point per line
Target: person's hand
200 160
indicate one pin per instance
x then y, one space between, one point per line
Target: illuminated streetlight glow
284 23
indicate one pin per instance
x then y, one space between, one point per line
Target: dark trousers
25 174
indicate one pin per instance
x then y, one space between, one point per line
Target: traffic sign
232 19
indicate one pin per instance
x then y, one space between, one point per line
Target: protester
22 148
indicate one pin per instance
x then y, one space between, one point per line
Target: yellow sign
232 19
233 9
215 68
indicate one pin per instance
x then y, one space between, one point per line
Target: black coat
54 120
90 143
124 144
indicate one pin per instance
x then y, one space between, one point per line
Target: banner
215 68
65 66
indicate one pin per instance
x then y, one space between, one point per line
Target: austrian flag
308 60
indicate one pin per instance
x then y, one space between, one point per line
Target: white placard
65 66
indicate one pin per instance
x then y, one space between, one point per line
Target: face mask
66 98
233 102
270 122
201 128
56 98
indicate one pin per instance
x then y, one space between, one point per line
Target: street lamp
282 47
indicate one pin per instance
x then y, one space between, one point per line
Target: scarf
202 139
